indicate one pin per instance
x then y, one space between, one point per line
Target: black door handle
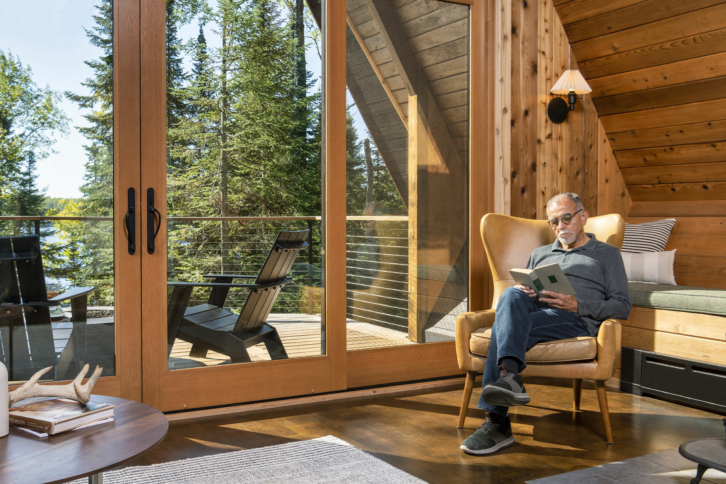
131 221
151 226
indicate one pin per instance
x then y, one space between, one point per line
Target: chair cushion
563 350
678 298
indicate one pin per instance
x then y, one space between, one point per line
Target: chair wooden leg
468 387
576 392
602 398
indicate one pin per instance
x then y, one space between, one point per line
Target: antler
73 390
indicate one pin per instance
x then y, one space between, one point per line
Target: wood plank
447 52
621 197
669 136
545 130
699 265
695 172
700 349
503 106
661 208
691 92
590 153
414 10
679 191
529 107
668 29
449 84
605 161
442 35
677 322
660 76
671 51
577 10
390 365
714 282
670 116
673 155
635 15
561 132
517 115
442 17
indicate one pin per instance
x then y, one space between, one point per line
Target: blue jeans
520 324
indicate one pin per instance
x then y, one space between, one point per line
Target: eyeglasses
566 219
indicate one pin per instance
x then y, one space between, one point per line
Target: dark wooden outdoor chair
26 296
212 327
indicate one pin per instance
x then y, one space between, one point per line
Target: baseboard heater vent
690 382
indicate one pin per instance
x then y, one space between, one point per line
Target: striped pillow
647 237
654 267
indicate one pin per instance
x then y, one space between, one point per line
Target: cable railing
376 258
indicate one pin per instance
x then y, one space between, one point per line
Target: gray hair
570 196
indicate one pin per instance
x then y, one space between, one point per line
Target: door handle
151 226
131 221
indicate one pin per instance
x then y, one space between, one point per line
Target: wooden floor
418 433
301 336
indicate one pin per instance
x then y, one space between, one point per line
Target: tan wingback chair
508 242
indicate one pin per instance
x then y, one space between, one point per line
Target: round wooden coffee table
707 453
136 429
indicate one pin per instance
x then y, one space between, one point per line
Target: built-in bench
684 321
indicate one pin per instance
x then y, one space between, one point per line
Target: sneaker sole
503 398
501 445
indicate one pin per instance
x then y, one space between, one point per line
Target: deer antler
72 391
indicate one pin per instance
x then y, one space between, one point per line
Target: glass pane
56 187
244 182
407 171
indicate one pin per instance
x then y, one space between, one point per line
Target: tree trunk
223 169
369 171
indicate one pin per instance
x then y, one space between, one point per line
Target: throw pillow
655 267
648 236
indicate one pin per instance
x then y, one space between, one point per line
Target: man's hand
530 292
559 301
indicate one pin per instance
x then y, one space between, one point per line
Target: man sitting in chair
597 274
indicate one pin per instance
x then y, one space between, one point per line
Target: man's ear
585 216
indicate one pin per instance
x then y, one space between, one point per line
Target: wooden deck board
301 336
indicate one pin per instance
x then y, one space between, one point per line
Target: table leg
699 474
96 478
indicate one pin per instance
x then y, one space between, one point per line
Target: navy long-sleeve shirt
596 273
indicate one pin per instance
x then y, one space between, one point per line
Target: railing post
37 227
310 267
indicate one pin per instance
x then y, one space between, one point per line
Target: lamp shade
571 81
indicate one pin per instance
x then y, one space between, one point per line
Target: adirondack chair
212 327
26 296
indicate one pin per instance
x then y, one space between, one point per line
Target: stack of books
49 416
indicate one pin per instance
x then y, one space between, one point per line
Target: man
597 274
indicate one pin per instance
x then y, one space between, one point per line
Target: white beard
567 237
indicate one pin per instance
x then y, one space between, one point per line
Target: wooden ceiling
658 73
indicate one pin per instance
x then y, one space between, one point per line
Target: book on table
544 278
55 415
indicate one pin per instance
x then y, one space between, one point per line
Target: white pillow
655 267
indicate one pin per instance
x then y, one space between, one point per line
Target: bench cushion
678 298
563 350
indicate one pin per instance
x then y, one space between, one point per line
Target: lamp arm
572 97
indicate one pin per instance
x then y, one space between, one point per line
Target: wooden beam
503 106
375 68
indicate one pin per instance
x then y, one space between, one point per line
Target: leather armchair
509 241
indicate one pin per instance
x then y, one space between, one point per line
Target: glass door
233 116
69 158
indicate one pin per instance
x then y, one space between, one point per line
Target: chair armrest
466 324
72 294
233 276
609 340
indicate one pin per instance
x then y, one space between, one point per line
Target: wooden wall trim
502 106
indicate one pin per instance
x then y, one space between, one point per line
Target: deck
301 336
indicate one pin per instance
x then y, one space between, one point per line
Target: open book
544 278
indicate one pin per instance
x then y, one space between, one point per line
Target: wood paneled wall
658 73
546 158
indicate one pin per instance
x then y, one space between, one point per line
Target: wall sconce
570 84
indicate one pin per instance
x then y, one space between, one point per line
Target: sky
49 36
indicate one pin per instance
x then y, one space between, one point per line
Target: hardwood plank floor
418 433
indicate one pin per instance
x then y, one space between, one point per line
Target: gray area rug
667 467
323 460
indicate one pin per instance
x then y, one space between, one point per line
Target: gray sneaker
508 391
490 437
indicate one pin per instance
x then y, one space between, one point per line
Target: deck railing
376 258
